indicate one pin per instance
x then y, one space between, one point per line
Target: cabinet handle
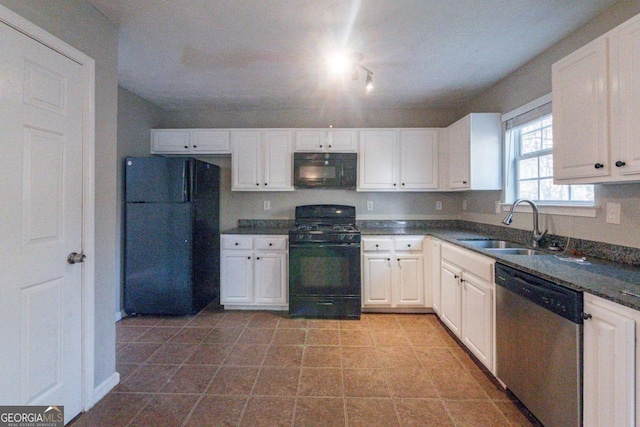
464 182
258 184
195 146
248 257
455 276
462 280
394 184
403 184
388 259
598 166
585 316
330 146
258 258
270 244
186 146
619 164
266 184
320 145
408 245
377 245
236 243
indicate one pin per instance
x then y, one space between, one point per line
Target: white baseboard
101 391
120 315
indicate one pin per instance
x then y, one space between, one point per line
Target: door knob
75 257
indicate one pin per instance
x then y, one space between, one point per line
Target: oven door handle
324 245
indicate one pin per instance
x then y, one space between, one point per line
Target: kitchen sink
492 244
514 251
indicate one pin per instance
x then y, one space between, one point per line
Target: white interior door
40 224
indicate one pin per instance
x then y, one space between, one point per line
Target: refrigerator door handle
185 181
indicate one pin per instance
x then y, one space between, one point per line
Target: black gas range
324 263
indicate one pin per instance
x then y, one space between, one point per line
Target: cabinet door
450 296
236 277
419 160
459 154
435 274
377 280
246 159
608 368
342 141
408 283
210 141
477 318
271 277
378 160
625 126
580 113
277 160
313 140
170 141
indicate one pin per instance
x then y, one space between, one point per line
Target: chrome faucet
537 235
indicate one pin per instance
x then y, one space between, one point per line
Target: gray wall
135 117
292 118
532 81
249 205
81 26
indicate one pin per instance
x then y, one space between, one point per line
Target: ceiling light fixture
340 62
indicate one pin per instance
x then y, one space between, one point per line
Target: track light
369 81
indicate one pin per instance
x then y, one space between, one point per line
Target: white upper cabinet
261 160
190 141
419 159
474 153
378 160
580 113
596 102
398 160
625 46
327 140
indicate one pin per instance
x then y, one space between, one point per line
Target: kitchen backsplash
606 251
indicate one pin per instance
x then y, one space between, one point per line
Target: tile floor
263 369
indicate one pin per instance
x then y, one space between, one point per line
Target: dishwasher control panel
556 298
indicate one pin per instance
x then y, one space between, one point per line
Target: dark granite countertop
596 276
599 277
257 230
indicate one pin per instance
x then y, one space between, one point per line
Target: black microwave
325 170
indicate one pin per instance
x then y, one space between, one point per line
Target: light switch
464 204
613 213
266 205
439 205
370 205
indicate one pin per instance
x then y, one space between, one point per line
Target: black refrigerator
172 235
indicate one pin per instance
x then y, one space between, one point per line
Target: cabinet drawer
409 244
232 241
271 243
373 245
479 265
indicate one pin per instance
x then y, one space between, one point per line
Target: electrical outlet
266 205
464 204
370 205
613 213
438 205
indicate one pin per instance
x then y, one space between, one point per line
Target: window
529 146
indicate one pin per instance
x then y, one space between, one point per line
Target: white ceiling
247 54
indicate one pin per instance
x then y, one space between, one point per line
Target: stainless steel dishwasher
539 345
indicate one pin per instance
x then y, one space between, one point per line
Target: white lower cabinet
253 272
610 380
434 273
466 303
393 272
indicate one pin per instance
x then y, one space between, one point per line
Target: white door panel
40 224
